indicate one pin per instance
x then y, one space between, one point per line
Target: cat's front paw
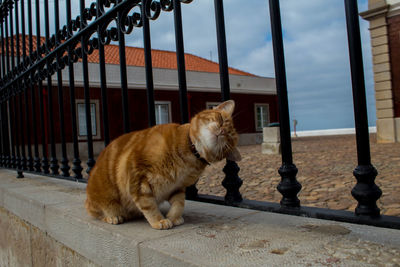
163 224
178 221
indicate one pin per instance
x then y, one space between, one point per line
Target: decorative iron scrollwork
107 35
128 22
128 18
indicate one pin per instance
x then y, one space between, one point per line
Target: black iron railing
28 102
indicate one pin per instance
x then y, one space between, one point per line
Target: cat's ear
234 155
227 106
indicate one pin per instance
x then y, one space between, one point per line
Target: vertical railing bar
148 63
21 119
36 160
3 72
123 73
6 137
191 191
12 135
2 143
76 163
12 41
289 186
13 90
366 192
232 181
17 135
29 160
22 165
103 81
2 139
23 33
11 158
64 158
2 68
45 162
222 49
17 164
180 58
18 132
90 162
7 47
3 60
53 156
17 33
5 55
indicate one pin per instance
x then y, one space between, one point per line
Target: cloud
315 42
317 62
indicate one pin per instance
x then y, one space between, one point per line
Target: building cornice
394 10
377 11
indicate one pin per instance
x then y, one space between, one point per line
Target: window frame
96 104
164 102
265 105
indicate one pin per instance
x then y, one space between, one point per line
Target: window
262 116
163 112
94 116
211 105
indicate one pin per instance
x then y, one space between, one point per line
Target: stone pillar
271 141
385 123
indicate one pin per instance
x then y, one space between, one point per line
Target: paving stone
325 167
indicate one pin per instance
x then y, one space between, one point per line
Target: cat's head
213 134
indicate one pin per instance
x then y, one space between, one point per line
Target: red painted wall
244 117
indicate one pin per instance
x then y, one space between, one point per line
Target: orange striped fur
139 170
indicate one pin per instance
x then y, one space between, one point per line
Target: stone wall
22 244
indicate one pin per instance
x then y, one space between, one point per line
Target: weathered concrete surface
43 223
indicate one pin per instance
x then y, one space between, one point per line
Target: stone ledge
211 236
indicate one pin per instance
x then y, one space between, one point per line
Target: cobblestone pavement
325 166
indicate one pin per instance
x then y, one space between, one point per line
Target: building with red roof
255 96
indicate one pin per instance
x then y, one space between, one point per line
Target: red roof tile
160 58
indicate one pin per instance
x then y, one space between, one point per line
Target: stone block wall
22 244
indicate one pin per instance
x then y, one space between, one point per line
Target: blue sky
316 53
315 42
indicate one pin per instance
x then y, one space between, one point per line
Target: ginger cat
139 170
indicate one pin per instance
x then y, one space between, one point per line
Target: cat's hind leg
93 210
177 201
111 213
